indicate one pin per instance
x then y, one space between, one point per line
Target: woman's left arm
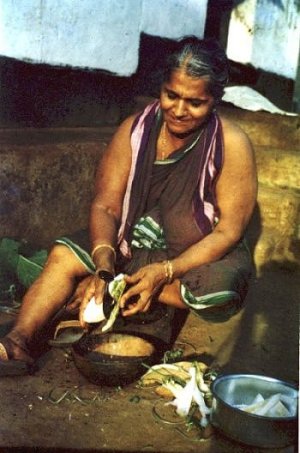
236 192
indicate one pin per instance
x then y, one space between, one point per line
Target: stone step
59 135
266 129
278 167
271 248
51 194
274 233
279 210
46 189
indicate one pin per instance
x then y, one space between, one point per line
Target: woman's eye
196 103
171 96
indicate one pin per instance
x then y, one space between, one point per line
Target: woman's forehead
183 84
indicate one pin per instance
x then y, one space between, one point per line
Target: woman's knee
62 257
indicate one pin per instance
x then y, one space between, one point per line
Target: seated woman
174 193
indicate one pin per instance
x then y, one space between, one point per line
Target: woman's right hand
95 288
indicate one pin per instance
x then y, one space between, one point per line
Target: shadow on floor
268 338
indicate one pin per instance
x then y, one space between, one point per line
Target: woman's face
186 102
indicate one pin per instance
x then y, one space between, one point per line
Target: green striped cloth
148 234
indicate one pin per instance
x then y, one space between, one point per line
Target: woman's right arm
105 215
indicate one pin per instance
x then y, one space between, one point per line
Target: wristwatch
105 275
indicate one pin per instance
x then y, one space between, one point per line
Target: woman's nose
180 108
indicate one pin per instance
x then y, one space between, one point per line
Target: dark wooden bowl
113 359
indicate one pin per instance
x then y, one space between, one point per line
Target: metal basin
262 431
113 359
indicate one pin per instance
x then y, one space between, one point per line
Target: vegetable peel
185 396
116 288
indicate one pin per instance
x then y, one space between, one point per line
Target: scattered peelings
199 379
204 410
178 371
184 396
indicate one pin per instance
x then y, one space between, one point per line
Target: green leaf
9 255
39 257
28 271
20 265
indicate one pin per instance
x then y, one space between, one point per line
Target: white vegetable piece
93 312
278 410
277 405
268 405
185 395
290 403
258 400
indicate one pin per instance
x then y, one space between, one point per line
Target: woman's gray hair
204 59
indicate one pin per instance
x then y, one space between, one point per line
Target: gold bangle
170 270
168 266
166 270
100 246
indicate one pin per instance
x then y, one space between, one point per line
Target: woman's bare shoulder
231 128
234 136
126 125
120 141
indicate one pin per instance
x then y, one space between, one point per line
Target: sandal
10 366
66 334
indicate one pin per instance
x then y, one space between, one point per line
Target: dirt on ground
58 410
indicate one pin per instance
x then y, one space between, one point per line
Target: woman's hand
95 288
75 300
144 284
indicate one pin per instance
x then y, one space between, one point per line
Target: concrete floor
263 339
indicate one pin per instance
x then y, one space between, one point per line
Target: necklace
163 141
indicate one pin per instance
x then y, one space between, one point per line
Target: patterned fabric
209 146
148 234
202 302
83 256
139 138
170 205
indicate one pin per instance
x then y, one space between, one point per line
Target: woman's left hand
144 284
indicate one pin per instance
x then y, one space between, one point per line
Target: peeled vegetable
277 405
184 396
184 382
93 312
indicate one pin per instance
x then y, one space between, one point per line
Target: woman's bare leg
46 296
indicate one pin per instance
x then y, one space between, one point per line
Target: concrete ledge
279 225
267 129
47 186
47 175
278 168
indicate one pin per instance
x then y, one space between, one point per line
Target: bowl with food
255 409
112 358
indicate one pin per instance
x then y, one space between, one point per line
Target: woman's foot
14 358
